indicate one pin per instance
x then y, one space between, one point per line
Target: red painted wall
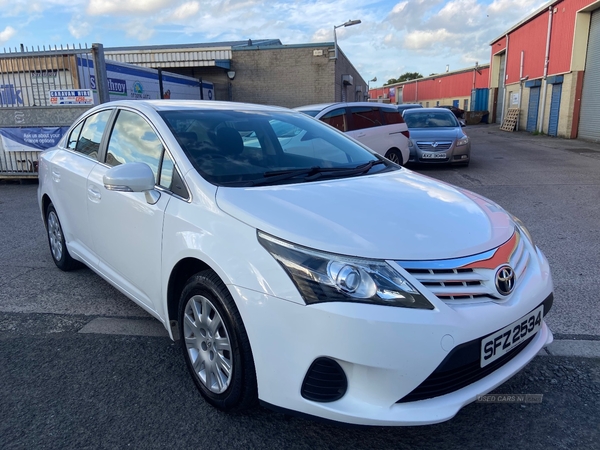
444 86
531 38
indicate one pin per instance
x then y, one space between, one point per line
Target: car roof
322 106
170 105
424 110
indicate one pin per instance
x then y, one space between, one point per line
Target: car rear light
406 133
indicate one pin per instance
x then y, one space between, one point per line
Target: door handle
94 194
361 134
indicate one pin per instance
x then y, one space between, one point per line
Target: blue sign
10 95
26 139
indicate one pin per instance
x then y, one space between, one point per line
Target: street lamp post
369 86
345 24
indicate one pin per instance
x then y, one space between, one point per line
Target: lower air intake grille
325 381
443 381
462 367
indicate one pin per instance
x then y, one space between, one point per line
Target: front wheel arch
180 274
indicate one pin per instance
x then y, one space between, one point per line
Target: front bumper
385 352
454 154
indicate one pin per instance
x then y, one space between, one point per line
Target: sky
393 37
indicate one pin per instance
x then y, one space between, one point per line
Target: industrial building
466 89
548 68
260 71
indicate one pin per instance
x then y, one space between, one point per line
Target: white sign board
71 97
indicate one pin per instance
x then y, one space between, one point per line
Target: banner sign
30 139
71 97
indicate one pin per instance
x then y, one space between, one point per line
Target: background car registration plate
433 156
510 337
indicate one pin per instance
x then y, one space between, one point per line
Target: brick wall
291 76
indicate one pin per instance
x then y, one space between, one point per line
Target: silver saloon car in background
436 136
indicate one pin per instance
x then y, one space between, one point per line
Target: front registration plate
433 156
510 337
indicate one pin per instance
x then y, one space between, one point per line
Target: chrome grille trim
428 145
451 282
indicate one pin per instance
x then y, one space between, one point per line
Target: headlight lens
462 141
410 143
523 229
327 277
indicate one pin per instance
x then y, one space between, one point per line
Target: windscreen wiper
314 173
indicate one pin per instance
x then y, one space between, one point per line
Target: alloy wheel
208 344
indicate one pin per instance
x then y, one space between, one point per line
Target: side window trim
82 123
106 138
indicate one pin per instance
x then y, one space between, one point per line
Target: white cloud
102 7
79 28
6 34
183 12
419 40
138 29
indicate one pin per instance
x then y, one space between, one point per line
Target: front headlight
327 277
523 229
463 141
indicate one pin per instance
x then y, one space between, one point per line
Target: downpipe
545 78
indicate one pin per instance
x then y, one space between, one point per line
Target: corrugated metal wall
445 86
589 124
164 58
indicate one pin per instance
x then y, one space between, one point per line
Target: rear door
69 171
366 127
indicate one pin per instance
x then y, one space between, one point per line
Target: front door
127 229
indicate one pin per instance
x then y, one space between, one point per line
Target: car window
133 140
294 140
391 116
88 142
74 136
365 117
430 119
242 148
336 118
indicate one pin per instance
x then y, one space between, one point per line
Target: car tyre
395 156
215 344
56 239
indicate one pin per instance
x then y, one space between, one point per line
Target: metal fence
28 77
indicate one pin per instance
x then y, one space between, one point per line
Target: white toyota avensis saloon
315 277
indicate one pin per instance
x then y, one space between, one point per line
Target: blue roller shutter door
532 110
554 109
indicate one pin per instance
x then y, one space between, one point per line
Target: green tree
405 77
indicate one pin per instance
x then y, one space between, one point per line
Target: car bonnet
396 215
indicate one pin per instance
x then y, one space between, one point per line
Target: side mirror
462 123
132 177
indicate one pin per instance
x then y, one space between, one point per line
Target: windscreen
247 148
429 119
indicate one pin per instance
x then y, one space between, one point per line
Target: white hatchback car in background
376 125
336 284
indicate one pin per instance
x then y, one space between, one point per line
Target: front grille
462 367
429 145
471 278
325 381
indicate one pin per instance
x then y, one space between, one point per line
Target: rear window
391 116
365 117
